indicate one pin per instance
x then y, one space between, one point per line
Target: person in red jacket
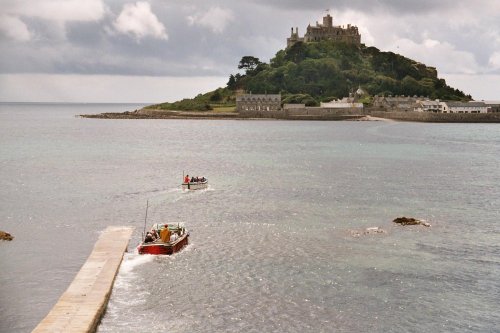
186 179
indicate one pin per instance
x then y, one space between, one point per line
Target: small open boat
195 185
178 238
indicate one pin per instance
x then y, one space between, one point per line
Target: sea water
277 242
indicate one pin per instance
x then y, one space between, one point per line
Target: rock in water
410 221
6 236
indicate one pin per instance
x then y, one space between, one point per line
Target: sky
151 51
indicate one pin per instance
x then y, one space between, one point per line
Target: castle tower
327 21
294 37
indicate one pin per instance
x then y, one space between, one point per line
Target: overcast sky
164 50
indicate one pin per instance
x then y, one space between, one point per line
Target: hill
314 72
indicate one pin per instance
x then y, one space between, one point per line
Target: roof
429 102
492 102
262 97
466 104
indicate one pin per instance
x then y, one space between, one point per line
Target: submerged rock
410 221
6 236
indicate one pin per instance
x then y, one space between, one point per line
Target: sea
278 240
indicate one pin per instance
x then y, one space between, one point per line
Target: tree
231 84
216 96
296 52
248 63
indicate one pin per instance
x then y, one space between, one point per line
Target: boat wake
133 260
185 194
128 282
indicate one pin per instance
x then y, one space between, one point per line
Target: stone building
464 107
258 102
397 103
344 103
493 106
326 31
427 106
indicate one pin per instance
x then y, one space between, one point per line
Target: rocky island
328 75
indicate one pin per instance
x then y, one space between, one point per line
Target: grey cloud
259 29
393 6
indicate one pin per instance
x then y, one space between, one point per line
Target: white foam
132 260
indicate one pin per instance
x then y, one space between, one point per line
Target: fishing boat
177 239
195 185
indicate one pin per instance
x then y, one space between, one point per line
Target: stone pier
82 305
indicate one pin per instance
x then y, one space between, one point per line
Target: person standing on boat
165 234
186 179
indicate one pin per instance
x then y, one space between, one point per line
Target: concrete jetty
82 305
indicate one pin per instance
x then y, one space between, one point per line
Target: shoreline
174 114
369 115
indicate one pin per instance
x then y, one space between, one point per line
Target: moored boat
172 237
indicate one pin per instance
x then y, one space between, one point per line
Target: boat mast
145 219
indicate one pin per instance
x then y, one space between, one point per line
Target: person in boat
149 238
154 233
165 234
202 179
192 179
186 179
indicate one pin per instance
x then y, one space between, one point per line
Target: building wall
280 114
251 102
439 117
447 107
305 112
493 107
336 34
469 109
324 112
399 103
341 105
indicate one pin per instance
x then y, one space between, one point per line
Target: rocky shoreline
410 116
172 114
164 114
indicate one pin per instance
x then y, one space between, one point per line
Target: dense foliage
326 70
203 102
313 72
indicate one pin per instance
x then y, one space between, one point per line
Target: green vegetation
214 100
325 70
313 72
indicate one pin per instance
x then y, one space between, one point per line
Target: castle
326 31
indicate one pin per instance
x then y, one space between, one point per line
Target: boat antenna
145 219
